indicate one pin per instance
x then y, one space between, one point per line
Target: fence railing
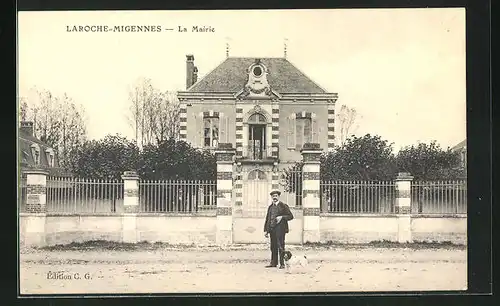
75 195
177 196
439 197
291 184
357 196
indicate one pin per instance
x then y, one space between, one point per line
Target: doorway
257 141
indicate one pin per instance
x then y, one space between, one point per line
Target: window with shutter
299 133
303 132
315 129
291 132
198 136
211 129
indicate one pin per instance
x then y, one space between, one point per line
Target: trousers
277 245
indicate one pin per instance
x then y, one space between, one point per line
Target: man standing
276 225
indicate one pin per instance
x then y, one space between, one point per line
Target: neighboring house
462 148
266 108
34 153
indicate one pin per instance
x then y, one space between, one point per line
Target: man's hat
275 192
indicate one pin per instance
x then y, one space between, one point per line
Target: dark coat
284 211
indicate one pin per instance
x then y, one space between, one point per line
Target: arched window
257 119
257 175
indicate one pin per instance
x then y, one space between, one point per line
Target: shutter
222 128
227 129
291 132
198 135
299 133
314 129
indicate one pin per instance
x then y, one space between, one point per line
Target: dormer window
35 153
50 157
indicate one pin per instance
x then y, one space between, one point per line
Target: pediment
257 85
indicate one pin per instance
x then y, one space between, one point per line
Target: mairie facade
266 108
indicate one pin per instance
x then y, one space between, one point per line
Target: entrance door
256 194
248 226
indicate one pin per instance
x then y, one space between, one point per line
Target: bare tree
346 120
57 121
154 115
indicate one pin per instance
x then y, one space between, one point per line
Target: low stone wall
63 229
356 228
440 228
38 229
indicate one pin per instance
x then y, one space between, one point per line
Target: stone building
266 108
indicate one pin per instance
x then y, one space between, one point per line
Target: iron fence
439 197
77 195
177 196
357 196
291 185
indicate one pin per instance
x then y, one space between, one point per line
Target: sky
403 70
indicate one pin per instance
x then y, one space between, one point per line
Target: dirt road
170 270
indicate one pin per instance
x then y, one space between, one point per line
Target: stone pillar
33 222
224 155
130 206
403 206
311 154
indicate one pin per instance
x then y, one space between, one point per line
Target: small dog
296 264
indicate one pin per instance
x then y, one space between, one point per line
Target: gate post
311 154
224 155
403 206
130 206
33 222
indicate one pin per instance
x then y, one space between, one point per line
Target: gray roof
231 76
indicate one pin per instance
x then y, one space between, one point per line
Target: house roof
26 158
231 76
460 145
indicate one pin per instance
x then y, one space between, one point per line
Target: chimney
195 74
27 127
189 70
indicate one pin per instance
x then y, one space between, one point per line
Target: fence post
130 206
311 154
403 206
33 223
224 155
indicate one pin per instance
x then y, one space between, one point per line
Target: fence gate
248 225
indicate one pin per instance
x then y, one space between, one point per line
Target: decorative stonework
402 209
310 175
404 176
238 203
311 146
224 175
131 192
314 193
36 189
35 208
401 194
311 156
331 126
225 146
220 156
224 211
221 193
311 211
